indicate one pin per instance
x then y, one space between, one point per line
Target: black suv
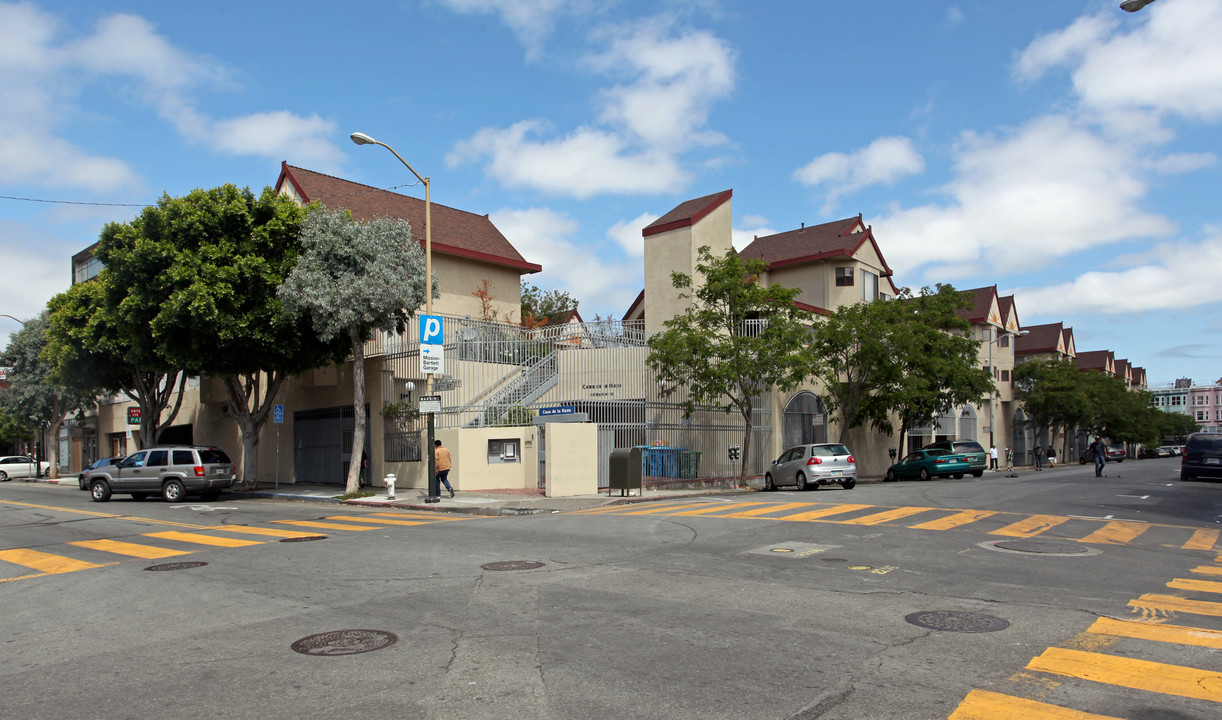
1202 456
169 471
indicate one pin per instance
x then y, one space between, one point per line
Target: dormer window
844 277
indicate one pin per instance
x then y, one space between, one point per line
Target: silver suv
171 471
813 465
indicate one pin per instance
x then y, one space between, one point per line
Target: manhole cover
512 565
307 538
953 621
345 642
176 566
1049 547
834 559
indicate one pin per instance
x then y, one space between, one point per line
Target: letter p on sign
431 330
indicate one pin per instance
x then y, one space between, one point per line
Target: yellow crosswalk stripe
666 509
1131 673
1202 540
202 539
774 507
324 525
963 517
1177 604
1196 585
119 547
383 521
1208 570
717 508
887 516
266 532
44 562
985 705
1117 532
615 509
1178 634
1033 525
824 512
434 517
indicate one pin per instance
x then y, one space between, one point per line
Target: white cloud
954 16
645 125
530 20
278 135
1021 198
627 234
753 226
1168 284
883 161
547 236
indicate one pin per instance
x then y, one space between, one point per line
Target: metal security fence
499 374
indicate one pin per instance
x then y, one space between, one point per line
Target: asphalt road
757 605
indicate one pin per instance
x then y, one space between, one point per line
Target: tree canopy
737 339
549 307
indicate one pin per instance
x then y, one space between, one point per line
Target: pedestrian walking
443 463
993 458
1052 456
360 481
1098 451
1038 454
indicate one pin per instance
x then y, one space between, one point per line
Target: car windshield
934 452
213 455
829 450
968 446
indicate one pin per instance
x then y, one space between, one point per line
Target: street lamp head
1134 5
361 138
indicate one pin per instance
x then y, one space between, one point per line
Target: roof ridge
378 189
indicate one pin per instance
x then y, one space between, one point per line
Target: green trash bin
690 461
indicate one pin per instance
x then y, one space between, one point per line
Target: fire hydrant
389 480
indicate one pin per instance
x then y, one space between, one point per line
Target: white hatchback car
22 466
813 465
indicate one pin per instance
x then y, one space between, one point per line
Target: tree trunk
249 408
358 410
746 453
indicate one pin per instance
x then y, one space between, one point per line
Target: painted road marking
985 705
202 539
1208 570
383 521
824 512
1210 586
717 508
886 516
45 563
434 517
1131 673
1202 540
1177 604
767 510
666 509
1118 532
1158 632
266 532
323 525
1033 525
964 517
118 547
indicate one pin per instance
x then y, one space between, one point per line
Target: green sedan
925 464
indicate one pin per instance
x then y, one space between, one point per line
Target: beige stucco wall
572 459
472 470
811 280
676 251
459 277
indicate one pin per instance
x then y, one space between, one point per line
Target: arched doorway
967 423
805 421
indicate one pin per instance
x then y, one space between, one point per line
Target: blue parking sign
431 330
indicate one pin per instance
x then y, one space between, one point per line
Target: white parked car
22 466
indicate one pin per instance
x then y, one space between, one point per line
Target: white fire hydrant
389 480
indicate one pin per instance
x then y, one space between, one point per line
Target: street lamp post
360 138
993 395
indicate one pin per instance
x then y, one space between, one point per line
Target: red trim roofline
811 308
689 221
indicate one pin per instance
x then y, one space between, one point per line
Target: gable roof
1047 338
1102 360
687 213
986 308
455 232
841 238
1009 314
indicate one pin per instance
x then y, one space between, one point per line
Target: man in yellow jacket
443 464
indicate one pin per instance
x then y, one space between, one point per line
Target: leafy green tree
937 357
226 252
12 431
352 279
1173 425
736 340
1054 395
34 396
545 307
857 369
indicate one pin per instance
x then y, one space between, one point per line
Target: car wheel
99 491
848 484
768 484
890 476
173 491
958 476
978 473
3 476
1186 476
210 495
801 481
139 496
924 473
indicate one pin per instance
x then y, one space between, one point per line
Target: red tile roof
982 302
1095 360
814 243
455 232
1039 339
688 213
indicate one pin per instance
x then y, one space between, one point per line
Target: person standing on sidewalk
443 462
1098 451
993 458
1038 453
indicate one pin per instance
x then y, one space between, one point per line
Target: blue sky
1066 151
